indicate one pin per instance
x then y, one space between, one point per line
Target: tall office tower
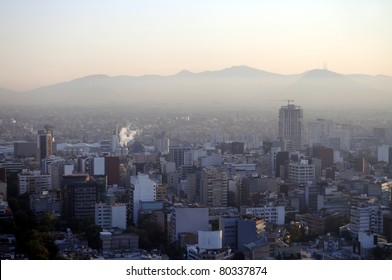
112 170
79 196
291 125
214 185
45 143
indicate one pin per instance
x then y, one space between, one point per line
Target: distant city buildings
215 190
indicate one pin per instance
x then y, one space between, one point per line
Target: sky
45 41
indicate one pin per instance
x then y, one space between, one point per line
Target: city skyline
45 43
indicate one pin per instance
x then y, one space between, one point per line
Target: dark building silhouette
387 224
325 154
237 148
282 165
25 149
176 154
45 143
79 195
3 176
112 170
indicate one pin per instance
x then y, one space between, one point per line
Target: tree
214 224
36 250
382 253
92 233
334 222
173 251
47 222
41 246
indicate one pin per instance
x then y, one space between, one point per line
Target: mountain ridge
234 86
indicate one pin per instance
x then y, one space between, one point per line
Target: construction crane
287 100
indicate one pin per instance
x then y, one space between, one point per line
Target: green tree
382 253
41 246
334 222
36 250
92 233
47 222
214 224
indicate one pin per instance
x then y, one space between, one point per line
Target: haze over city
196 130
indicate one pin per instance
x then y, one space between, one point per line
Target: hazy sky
48 41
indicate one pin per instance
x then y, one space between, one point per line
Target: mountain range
234 86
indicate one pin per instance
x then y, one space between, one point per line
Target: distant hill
234 86
333 89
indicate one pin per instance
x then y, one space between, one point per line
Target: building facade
291 125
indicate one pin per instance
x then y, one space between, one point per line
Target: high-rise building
162 144
325 154
365 218
291 125
112 169
33 182
302 172
318 131
384 153
45 143
177 153
214 182
144 191
79 196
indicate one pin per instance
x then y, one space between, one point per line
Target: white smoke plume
126 135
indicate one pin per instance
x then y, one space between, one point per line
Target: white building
383 153
367 218
110 216
162 145
337 157
291 125
103 215
270 214
119 216
99 166
68 169
366 244
144 190
302 172
318 131
209 247
33 182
